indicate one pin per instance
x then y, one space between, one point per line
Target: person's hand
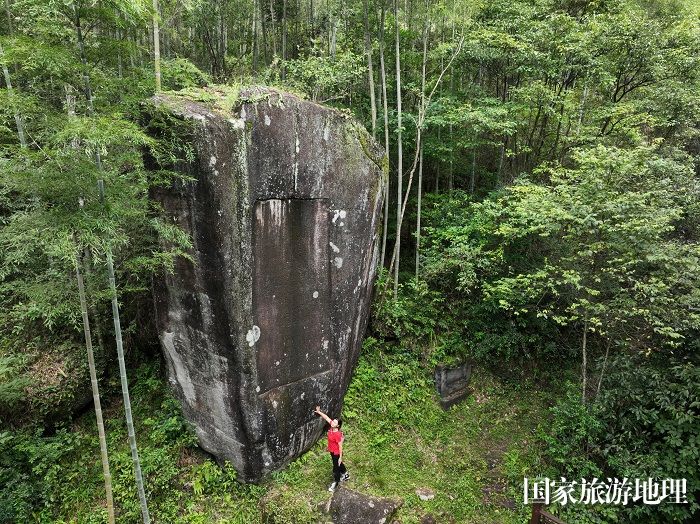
318 410
340 459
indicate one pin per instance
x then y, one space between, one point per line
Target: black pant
338 469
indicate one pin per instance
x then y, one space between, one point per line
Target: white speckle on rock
267 120
325 344
335 248
326 133
277 362
339 213
253 335
338 262
370 504
357 287
243 113
342 224
303 395
315 294
257 389
237 123
274 404
296 145
212 161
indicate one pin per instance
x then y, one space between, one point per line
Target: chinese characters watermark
608 491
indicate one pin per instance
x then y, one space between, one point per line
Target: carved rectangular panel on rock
291 289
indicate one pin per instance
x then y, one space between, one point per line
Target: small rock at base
425 493
351 507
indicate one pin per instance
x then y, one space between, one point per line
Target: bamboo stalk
95 393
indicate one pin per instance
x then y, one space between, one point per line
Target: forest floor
472 457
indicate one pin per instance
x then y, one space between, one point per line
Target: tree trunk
156 44
120 65
422 111
450 178
272 29
115 306
499 173
370 71
419 137
254 45
18 117
263 31
332 38
123 377
95 393
418 211
399 162
581 106
8 14
602 371
472 175
386 129
284 36
437 167
583 363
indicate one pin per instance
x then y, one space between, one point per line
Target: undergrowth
398 439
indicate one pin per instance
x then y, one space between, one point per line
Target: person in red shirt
335 448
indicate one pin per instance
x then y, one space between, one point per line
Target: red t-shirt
334 440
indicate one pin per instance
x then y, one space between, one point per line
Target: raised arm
322 414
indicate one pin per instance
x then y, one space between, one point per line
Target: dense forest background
542 220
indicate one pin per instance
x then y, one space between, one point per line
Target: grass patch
398 439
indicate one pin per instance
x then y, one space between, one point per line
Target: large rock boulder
282 204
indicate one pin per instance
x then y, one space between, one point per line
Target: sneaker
345 477
331 488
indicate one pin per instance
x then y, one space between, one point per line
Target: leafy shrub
180 73
572 435
325 77
413 317
12 382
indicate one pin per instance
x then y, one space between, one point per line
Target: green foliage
325 78
412 318
37 467
180 73
572 436
574 126
643 424
12 382
598 242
